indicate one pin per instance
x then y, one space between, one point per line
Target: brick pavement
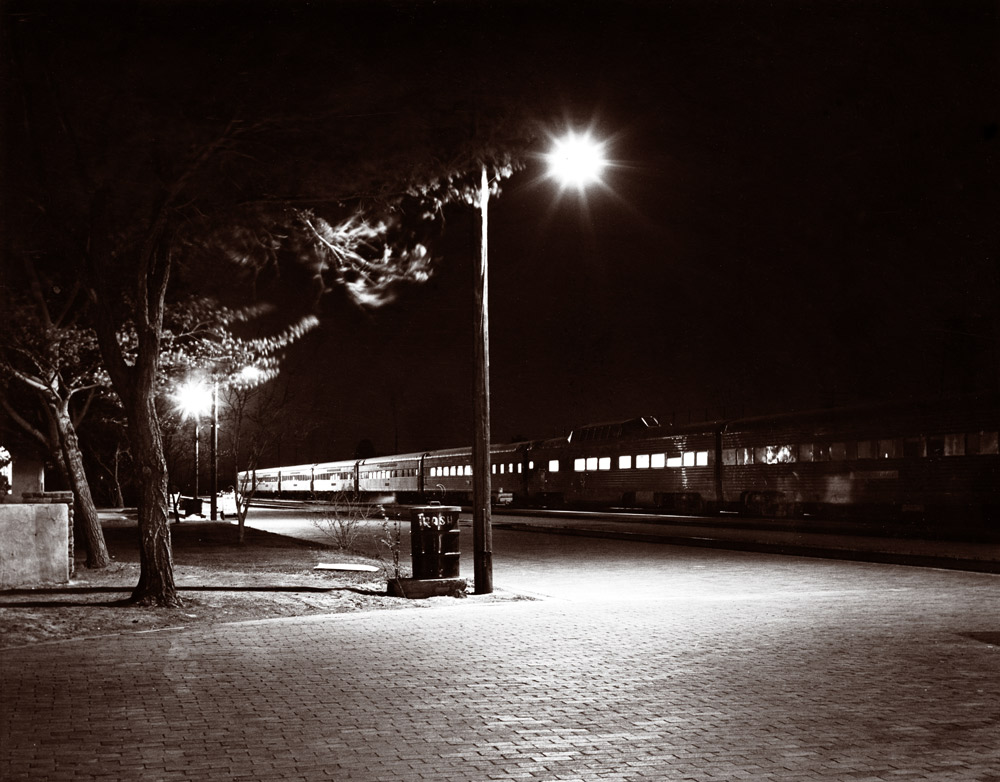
743 667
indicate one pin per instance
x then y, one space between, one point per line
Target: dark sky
801 210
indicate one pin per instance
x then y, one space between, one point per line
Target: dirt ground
218 579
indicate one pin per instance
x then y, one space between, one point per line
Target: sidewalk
648 663
742 667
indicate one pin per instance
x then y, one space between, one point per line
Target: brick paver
742 667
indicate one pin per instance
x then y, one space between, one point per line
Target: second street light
576 160
194 399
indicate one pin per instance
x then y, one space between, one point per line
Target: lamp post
576 160
193 398
214 449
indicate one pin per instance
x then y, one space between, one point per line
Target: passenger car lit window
981 443
675 461
604 463
554 465
954 445
591 462
890 449
579 465
625 462
780 454
689 458
642 461
658 461
701 459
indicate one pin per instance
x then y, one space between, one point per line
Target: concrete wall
34 545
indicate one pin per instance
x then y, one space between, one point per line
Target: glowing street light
576 160
194 399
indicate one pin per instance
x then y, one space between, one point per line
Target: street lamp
576 160
194 399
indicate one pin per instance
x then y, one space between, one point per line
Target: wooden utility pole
482 532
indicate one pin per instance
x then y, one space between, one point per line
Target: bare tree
55 363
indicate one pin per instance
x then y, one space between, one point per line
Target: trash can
434 541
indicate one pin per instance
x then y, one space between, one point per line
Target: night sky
801 211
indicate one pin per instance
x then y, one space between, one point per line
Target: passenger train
932 460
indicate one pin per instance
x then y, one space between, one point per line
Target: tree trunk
90 523
156 578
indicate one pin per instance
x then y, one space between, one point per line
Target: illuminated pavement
645 663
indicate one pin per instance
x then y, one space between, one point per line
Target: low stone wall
54 497
35 544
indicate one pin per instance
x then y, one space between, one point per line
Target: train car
509 472
331 479
448 475
634 463
296 481
399 476
933 460
264 482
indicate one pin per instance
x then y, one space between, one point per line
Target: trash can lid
437 508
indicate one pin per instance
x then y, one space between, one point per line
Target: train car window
520 468
658 461
591 462
838 452
642 461
510 468
729 456
954 445
760 454
806 452
553 465
494 469
867 449
701 459
625 462
468 469
890 449
984 443
675 461
935 446
780 454
744 455
689 458
604 463
579 465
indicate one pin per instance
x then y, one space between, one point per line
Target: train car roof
390 457
987 405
